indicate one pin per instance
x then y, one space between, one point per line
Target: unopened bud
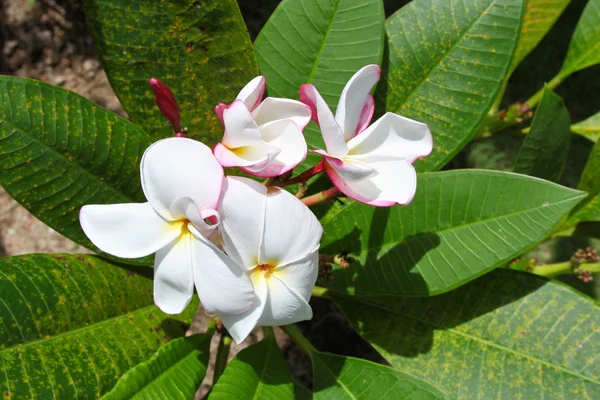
165 100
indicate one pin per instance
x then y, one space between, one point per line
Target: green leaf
460 225
589 209
257 372
199 48
175 371
540 16
72 325
59 151
301 392
447 62
323 42
545 149
584 49
589 128
337 377
506 335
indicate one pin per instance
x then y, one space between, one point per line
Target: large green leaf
323 42
584 49
173 373
507 335
461 224
545 149
199 48
59 151
72 325
337 377
446 63
589 209
540 16
257 372
589 128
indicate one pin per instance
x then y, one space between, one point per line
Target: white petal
223 287
365 115
275 109
354 97
253 92
300 275
395 181
185 208
242 211
284 305
179 167
127 230
239 326
284 135
173 276
240 128
291 230
333 135
351 169
257 156
392 137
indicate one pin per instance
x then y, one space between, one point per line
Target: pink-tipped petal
220 109
351 170
393 137
333 135
284 135
353 99
256 156
180 167
240 128
365 115
395 181
275 109
253 92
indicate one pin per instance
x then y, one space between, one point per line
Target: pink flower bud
166 103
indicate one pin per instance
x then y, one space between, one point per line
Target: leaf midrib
481 221
473 338
323 43
425 77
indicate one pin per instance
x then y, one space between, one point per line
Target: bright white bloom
275 238
371 164
182 182
263 138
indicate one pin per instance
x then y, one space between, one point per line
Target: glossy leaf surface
584 49
72 325
257 372
544 151
507 335
589 209
338 377
460 225
174 372
199 48
447 61
589 128
59 151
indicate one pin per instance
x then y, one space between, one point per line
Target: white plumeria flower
182 182
263 138
371 164
275 238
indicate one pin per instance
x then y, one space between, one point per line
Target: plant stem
320 197
222 355
305 176
552 270
297 336
268 332
321 292
535 99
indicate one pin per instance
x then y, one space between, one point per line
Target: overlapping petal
180 167
284 305
276 109
354 98
127 230
253 92
240 128
173 276
300 275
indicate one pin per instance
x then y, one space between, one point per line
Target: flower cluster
250 250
